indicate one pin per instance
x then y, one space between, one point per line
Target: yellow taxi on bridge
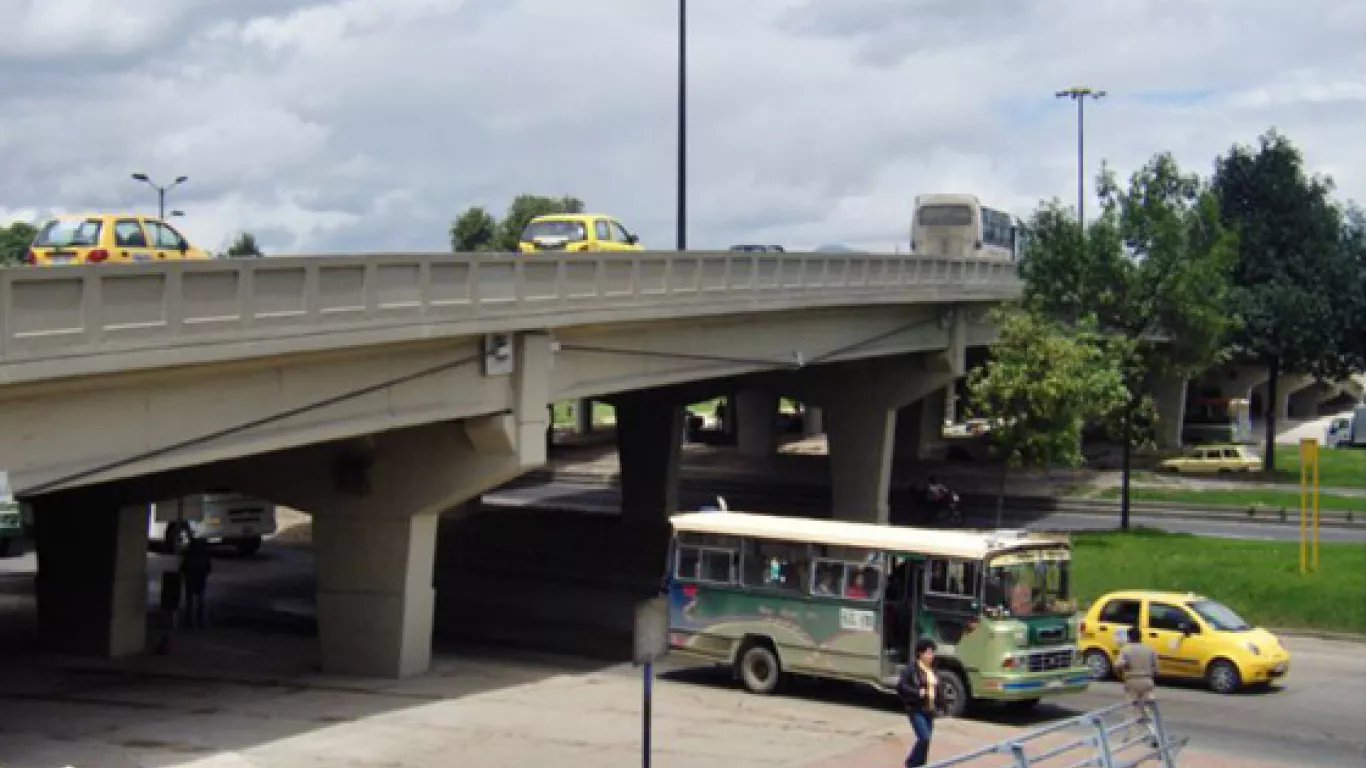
576 232
1194 637
108 237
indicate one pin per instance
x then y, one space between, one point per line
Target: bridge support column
757 412
1305 403
376 502
813 420
1169 392
375 595
862 414
583 416
1288 387
92 576
649 443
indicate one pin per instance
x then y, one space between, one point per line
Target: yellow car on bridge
576 232
108 237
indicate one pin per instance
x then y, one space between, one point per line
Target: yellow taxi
108 237
576 232
1215 458
1194 637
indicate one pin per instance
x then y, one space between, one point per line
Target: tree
1153 271
15 240
244 247
1294 279
1042 383
1354 314
477 230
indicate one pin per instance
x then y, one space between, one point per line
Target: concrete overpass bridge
381 393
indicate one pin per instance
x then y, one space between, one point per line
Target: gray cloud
368 124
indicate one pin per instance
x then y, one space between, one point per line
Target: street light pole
1080 94
161 191
682 236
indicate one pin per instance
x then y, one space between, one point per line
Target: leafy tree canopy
478 230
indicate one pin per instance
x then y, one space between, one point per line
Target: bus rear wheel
759 668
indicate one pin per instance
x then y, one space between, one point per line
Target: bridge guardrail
55 312
1116 736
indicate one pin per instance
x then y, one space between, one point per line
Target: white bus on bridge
958 225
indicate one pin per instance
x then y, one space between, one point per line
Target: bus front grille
1050 660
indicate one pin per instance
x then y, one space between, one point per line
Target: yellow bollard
1314 450
1304 505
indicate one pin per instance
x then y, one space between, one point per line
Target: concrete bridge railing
81 320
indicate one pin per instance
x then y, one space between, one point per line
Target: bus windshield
1029 584
945 216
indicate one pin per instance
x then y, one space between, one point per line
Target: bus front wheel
956 695
760 670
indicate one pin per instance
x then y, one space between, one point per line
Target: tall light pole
682 237
1080 94
161 191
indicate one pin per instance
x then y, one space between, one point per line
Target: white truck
218 516
1348 431
11 520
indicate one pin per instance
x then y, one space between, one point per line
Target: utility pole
682 239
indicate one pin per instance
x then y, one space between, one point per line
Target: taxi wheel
1223 676
1098 662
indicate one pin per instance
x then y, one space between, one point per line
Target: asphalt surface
1318 718
607 500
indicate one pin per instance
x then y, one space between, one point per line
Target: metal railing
1117 736
292 304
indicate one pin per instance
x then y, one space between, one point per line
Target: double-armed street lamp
1080 94
161 192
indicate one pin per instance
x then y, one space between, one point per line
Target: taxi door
621 239
170 244
1175 636
131 242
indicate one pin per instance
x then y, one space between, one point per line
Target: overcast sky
367 125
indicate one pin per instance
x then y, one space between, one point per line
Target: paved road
605 500
1317 719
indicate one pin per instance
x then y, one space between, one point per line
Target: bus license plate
1054 684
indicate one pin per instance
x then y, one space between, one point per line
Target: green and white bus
771 595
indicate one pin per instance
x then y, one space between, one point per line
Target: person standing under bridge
195 566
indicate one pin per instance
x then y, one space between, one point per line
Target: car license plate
60 259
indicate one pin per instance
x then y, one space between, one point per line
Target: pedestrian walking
922 696
195 566
1137 666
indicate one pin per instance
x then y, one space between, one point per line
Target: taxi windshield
1219 616
60 233
1020 586
568 230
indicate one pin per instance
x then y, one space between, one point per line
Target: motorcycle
943 505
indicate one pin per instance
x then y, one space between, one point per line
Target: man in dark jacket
922 695
195 567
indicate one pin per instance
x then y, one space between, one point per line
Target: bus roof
966 545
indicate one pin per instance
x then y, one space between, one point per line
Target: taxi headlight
1251 646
